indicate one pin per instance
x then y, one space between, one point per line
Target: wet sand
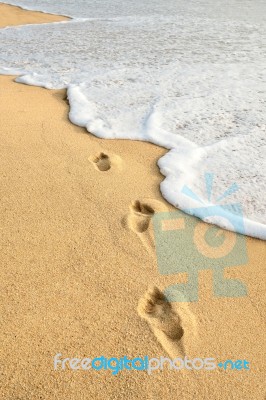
77 254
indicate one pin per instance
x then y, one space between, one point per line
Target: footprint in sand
140 216
176 332
158 312
139 220
101 162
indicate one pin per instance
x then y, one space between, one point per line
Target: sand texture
77 258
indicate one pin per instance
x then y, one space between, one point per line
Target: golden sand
77 254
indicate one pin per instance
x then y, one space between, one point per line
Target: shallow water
187 76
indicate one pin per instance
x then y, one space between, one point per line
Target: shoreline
75 263
241 224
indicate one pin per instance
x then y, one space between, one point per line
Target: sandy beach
78 253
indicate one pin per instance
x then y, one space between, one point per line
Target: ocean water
186 75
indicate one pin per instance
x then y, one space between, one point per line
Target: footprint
176 332
142 208
140 216
101 162
158 312
139 220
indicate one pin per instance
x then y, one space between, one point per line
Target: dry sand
72 272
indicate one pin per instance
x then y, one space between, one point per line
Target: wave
185 78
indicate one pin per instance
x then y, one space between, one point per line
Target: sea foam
188 78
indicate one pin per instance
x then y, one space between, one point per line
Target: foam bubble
181 76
